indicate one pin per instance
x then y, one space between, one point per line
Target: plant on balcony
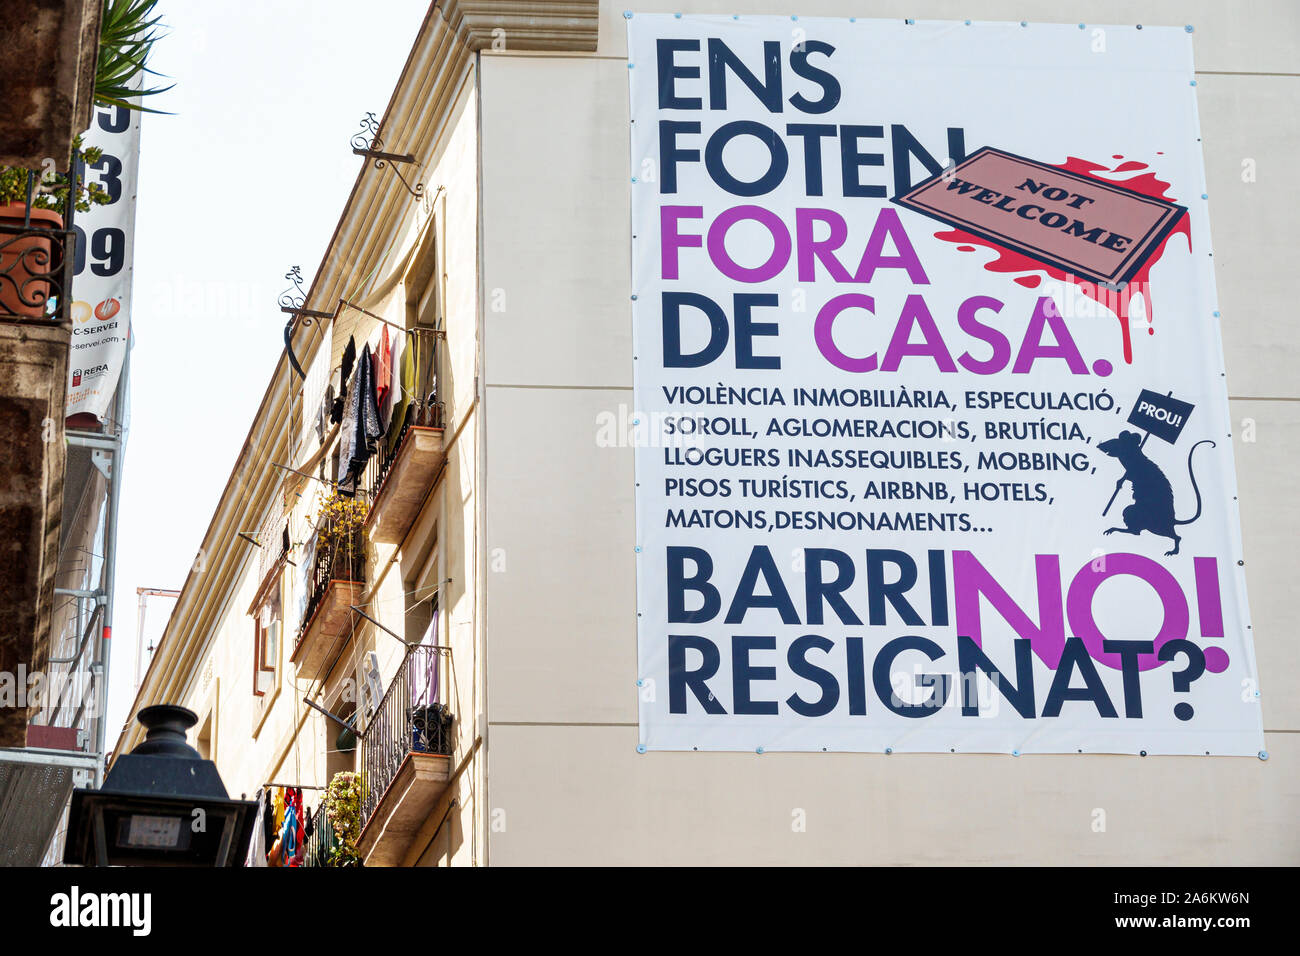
50 191
343 807
27 260
339 519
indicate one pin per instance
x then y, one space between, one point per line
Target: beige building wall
205 660
567 785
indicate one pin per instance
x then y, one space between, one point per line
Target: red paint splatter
1119 301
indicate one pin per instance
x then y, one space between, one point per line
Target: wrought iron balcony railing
38 254
410 719
331 560
36 268
321 841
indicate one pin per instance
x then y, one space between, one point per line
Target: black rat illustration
1153 497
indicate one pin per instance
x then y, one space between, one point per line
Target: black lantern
161 805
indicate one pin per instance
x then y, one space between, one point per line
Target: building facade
499 538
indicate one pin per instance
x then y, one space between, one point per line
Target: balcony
406 758
400 477
336 581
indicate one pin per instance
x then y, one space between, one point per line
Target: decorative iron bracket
366 142
293 301
294 298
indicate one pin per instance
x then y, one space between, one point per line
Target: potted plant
341 519
27 259
343 809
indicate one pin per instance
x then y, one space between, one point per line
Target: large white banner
933 443
101 308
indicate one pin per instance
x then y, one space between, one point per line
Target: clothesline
401 328
292 786
385 385
356 661
288 330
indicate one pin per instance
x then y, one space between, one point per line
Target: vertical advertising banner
101 307
933 448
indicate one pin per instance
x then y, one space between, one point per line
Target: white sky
246 179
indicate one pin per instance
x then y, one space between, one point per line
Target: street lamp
161 805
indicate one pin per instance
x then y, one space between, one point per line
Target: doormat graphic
1098 231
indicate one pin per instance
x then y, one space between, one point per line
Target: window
203 738
341 749
423 285
267 630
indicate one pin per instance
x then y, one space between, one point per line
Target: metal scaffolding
66 737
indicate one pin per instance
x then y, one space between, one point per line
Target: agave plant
128 32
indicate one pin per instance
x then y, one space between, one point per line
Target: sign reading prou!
900 290
1162 415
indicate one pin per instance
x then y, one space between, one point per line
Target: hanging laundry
304 577
256 855
275 856
300 840
322 414
268 820
349 357
403 389
383 372
345 372
361 427
289 837
335 390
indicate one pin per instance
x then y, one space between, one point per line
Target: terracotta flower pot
26 261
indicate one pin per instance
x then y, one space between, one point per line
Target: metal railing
321 841
329 560
38 259
410 718
36 263
424 408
